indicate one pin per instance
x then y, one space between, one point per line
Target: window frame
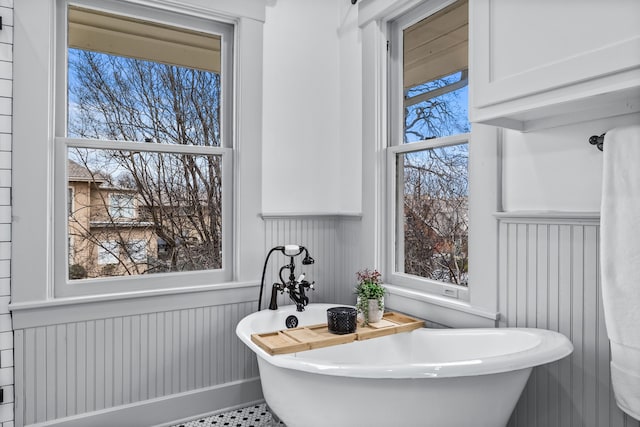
34 261
378 59
63 286
396 212
396 146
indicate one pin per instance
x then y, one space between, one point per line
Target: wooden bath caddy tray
318 336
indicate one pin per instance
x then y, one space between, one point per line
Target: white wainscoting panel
332 240
550 278
80 367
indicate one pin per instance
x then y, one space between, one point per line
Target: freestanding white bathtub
427 377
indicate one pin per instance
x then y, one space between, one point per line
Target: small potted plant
370 293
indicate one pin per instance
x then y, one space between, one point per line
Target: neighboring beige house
107 234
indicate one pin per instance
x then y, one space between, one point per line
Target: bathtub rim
553 346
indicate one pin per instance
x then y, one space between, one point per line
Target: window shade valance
437 46
123 36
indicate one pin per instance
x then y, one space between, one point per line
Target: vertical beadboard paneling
109 362
104 363
100 363
90 371
30 374
51 372
59 348
349 255
118 361
331 240
71 368
146 331
550 278
134 362
80 377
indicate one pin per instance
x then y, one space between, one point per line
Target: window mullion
430 143
141 146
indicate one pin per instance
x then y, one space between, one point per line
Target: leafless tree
436 189
179 195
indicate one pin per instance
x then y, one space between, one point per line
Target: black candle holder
341 320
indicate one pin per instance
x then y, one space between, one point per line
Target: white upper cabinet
539 64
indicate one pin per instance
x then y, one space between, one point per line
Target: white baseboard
164 411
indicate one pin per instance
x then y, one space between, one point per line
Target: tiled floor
252 416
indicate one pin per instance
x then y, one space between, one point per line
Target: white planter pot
375 312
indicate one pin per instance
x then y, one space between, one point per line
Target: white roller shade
436 46
123 36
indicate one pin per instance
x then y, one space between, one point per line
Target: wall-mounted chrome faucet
296 288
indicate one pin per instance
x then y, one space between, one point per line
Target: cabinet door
550 51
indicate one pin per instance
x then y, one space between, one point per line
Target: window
137 250
108 252
121 205
428 149
40 266
144 130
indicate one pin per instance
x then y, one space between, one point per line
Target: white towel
620 256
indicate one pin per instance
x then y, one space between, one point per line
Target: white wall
350 109
311 108
556 169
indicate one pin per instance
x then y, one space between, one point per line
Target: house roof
78 172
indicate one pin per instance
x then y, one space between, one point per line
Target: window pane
108 252
434 74
437 108
122 205
433 199
127 99
143 212
138 250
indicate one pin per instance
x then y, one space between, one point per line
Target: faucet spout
273 304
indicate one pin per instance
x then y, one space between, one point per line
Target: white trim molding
79 309
309 215
548 217
188 405
439 309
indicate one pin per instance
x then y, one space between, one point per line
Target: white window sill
439 309
83 308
